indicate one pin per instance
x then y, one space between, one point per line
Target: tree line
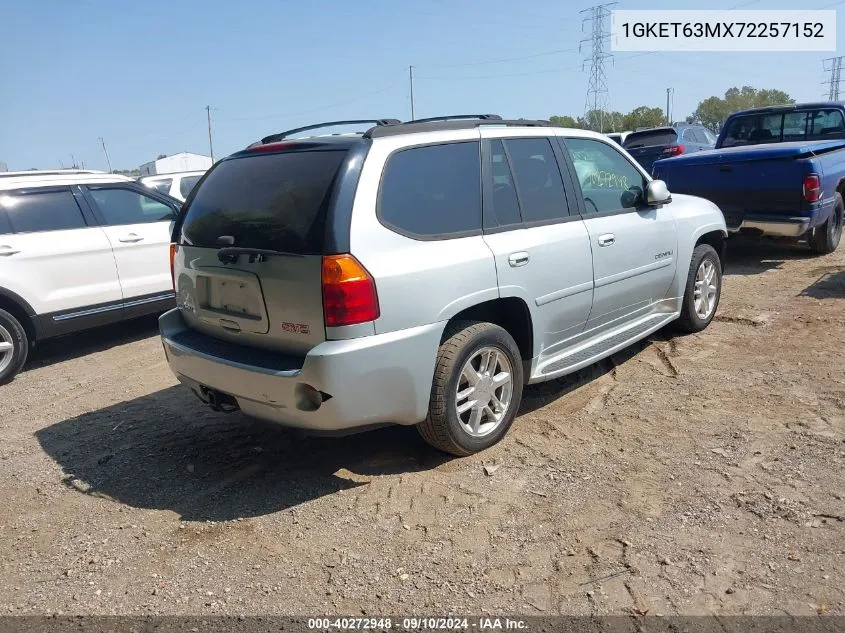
711 112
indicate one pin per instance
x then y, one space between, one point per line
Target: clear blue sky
140 73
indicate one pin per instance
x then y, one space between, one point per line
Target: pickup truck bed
764 187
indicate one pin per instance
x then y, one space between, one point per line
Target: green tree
713 111
643 116
563 121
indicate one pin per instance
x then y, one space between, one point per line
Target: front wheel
703 290
476 391
13 347
825 238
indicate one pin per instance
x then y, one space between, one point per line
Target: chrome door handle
131 238
518 259
5 251
607 239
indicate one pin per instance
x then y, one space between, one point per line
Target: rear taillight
349 292
673 150
173 248
812 188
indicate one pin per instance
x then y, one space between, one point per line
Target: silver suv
422 273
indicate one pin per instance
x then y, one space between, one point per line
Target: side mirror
657 193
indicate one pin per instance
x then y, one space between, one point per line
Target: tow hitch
217 400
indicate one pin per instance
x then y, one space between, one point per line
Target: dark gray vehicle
647 146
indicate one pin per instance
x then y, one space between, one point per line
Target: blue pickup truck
778 171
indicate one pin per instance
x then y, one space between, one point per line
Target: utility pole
73 162
597 97
668 111
105 151
210 147
834 67
411 80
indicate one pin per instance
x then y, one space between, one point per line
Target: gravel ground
688 475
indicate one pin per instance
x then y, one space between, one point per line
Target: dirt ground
688 475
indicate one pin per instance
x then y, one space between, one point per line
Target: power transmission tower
597 94
210 147
834 67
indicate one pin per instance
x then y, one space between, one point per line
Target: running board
594 350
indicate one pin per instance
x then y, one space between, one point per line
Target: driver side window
609 182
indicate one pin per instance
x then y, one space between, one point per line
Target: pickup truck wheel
825 238
14 347
476 391
703 290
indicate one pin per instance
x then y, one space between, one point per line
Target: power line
597 93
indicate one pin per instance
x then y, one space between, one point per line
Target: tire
472 341
690 320
825 238
11 332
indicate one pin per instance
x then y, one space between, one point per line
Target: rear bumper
371 380
776 226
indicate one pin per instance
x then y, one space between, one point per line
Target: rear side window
538 180
162 186
433 191
187 184
268 201
505 205
648 138
825 124
42 211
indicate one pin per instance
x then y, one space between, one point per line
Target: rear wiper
230 254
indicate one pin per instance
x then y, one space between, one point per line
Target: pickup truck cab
777 171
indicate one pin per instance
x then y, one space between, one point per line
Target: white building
183 161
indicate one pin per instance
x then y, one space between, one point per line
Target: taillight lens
674 150
812 188
349 292
173 248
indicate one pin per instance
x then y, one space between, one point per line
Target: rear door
274 201
633 245
138 227
542 251
51 255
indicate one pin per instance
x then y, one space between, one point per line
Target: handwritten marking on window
607 180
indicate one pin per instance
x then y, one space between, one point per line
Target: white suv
78 250
177 185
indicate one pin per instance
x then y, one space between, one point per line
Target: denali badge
295 328
663 255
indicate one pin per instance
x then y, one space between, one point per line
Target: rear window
647 138
268 201
799 125
187 184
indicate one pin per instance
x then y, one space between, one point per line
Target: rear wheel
13 347
476 391
703 290
825 238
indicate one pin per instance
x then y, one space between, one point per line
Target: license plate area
231 297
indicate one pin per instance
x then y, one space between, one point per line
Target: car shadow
167 451
750 255
830 283
64 348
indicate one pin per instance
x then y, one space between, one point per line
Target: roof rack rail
273 138
463 122
452 117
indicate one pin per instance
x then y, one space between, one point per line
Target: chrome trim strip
119 306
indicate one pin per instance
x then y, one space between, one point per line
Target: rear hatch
762 179
651 145
250 243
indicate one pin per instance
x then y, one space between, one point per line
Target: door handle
131 238
607 239
5 251
518 259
